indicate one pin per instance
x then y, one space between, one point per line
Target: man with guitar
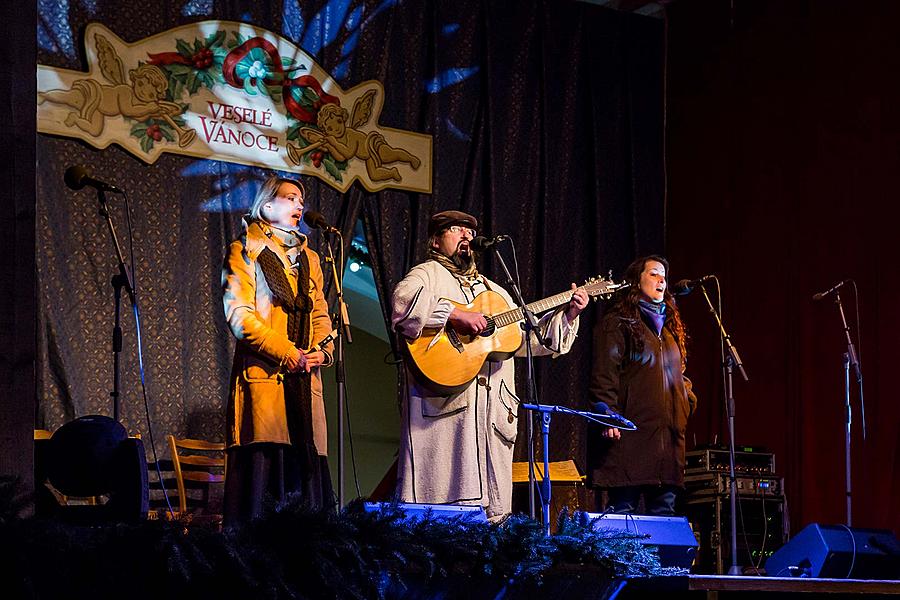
459 415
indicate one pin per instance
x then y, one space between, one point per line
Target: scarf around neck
445 261
654 314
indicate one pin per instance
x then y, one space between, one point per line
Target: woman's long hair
629 309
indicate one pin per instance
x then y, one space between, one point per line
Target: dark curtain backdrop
17 302
547 124
556 141
783 162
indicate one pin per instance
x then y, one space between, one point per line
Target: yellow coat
256 409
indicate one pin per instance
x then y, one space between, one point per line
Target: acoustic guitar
448 361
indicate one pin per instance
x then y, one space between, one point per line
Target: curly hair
154 75
328 110
628 307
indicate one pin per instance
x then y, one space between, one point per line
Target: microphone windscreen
681 288
602 407
480 243
314 219
75 177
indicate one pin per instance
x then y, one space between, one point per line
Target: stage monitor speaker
838 552
437 511
672 536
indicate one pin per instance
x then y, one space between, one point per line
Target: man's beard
463 261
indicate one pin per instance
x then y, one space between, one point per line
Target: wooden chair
198 465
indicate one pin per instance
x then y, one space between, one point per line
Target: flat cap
442 220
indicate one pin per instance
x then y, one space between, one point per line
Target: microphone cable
862 398
140 353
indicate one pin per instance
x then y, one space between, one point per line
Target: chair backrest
198 465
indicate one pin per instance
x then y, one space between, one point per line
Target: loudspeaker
672 536
437 511
93 456
838 552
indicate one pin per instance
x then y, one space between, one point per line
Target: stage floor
728 586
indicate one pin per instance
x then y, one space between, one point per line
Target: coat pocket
506 415
259 371
442 406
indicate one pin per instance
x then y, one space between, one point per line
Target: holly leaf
172 89
146 143
205 79
215 39
183 49
166 133
179 89
198 45
331 168
192 83
306 97
176 69
139 130
294 132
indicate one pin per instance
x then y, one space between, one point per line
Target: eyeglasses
462 229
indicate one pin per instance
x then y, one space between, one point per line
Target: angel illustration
344 141
140 100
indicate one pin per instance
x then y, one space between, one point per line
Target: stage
728 586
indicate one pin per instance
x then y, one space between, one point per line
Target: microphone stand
545 411
731 361
850 358
119 280
530 325
342 328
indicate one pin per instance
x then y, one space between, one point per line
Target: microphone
77 177
481 243
686 286
830 290
613 416
317 221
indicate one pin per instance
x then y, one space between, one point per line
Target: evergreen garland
296 553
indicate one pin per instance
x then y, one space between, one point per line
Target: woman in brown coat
275 307
639 361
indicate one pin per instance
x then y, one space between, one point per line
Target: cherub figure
345 141
141 99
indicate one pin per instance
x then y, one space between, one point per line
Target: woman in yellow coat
275 307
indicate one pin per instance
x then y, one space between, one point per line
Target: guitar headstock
602 287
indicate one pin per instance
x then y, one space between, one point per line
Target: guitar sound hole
491 328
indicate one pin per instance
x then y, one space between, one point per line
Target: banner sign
233 92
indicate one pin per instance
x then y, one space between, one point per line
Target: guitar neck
515 315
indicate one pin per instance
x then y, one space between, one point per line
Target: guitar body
448 361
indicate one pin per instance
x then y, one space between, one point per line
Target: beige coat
458 448
256 410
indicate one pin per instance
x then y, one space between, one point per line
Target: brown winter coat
256 409
649 389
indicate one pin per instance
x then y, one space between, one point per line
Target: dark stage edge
729 586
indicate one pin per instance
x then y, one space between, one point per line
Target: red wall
783 163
